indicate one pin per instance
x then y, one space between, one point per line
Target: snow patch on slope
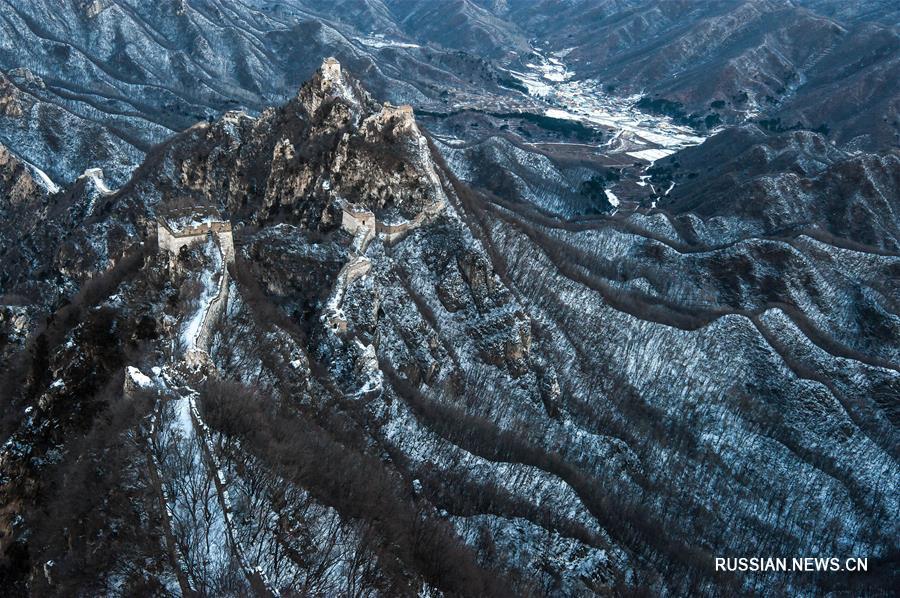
550 80
611 197
209 291
43 179
139 378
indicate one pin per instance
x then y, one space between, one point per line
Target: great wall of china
365 226
171 239
354 217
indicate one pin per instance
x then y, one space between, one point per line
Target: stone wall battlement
354 218
173 241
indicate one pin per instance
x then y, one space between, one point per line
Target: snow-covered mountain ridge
359 336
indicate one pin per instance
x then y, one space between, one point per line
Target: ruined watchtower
174 232
354 216
331 69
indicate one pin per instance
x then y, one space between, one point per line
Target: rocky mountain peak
399 118
330 84
16 182
298 163
10 98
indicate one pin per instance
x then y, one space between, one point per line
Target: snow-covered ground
651 155
138 377
198 519
209 291
43 179
549 79
611 197
180 223
378 40
96 175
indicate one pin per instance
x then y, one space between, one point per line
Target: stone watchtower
171 237
331 69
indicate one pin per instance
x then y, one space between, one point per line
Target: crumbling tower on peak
401 116
331 82
331 69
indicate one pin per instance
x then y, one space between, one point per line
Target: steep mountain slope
615 297
459 24
779 184
718 343
403 386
